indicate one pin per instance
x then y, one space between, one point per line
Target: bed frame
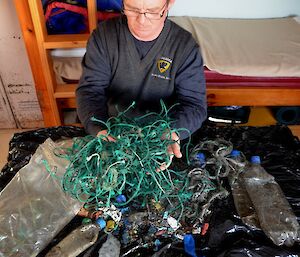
224 90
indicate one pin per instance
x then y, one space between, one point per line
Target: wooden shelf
65 91
65 41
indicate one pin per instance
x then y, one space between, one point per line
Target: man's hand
173 149
106 136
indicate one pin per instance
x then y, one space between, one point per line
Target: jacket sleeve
91 93
190 94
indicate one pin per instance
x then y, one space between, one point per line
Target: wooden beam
66 103
92 14
31 46
65 41
253 96
65 91
37 15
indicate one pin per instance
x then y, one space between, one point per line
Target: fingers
175 147
173 150
164 166
105 136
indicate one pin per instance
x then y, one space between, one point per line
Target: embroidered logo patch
163 65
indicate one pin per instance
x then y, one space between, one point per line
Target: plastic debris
76 242
189 245
111 248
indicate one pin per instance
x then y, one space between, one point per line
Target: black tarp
227 235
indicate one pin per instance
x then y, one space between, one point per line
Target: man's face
140 26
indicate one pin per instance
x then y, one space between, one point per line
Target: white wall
15 70
236 8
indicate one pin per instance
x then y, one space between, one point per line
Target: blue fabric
105 5
66 22
102 5
81 3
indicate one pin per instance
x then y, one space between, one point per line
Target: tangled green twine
100 170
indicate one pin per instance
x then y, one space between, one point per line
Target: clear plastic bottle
274 212
242 201
78 240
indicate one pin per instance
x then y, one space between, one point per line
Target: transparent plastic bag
33 206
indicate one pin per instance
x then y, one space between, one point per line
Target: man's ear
171 2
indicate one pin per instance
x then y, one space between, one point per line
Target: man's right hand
106 136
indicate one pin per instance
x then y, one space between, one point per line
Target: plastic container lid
255 159
235 153
101 222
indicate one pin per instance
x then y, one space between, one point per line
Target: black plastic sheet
227 235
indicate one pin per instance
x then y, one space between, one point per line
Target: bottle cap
110 225
121 198
201 157
255 159
235 153
101 222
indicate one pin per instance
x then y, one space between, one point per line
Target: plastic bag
33 206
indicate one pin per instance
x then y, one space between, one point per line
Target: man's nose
141 18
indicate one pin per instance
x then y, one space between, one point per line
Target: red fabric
65 6
101 16
215 78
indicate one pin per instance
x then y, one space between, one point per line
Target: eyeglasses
148 15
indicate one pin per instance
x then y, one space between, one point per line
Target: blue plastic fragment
189 245
201 157
121 198
157 244
101 222
124 210
255 159
235 153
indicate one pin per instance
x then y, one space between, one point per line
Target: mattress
258 50
248 47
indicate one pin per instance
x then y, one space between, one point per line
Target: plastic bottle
242 201
237 164
78 240
275 215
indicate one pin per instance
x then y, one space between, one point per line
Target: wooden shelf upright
39 45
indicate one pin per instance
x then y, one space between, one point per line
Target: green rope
102 170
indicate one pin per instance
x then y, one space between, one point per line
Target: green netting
100 170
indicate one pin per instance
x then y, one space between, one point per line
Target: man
142 57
